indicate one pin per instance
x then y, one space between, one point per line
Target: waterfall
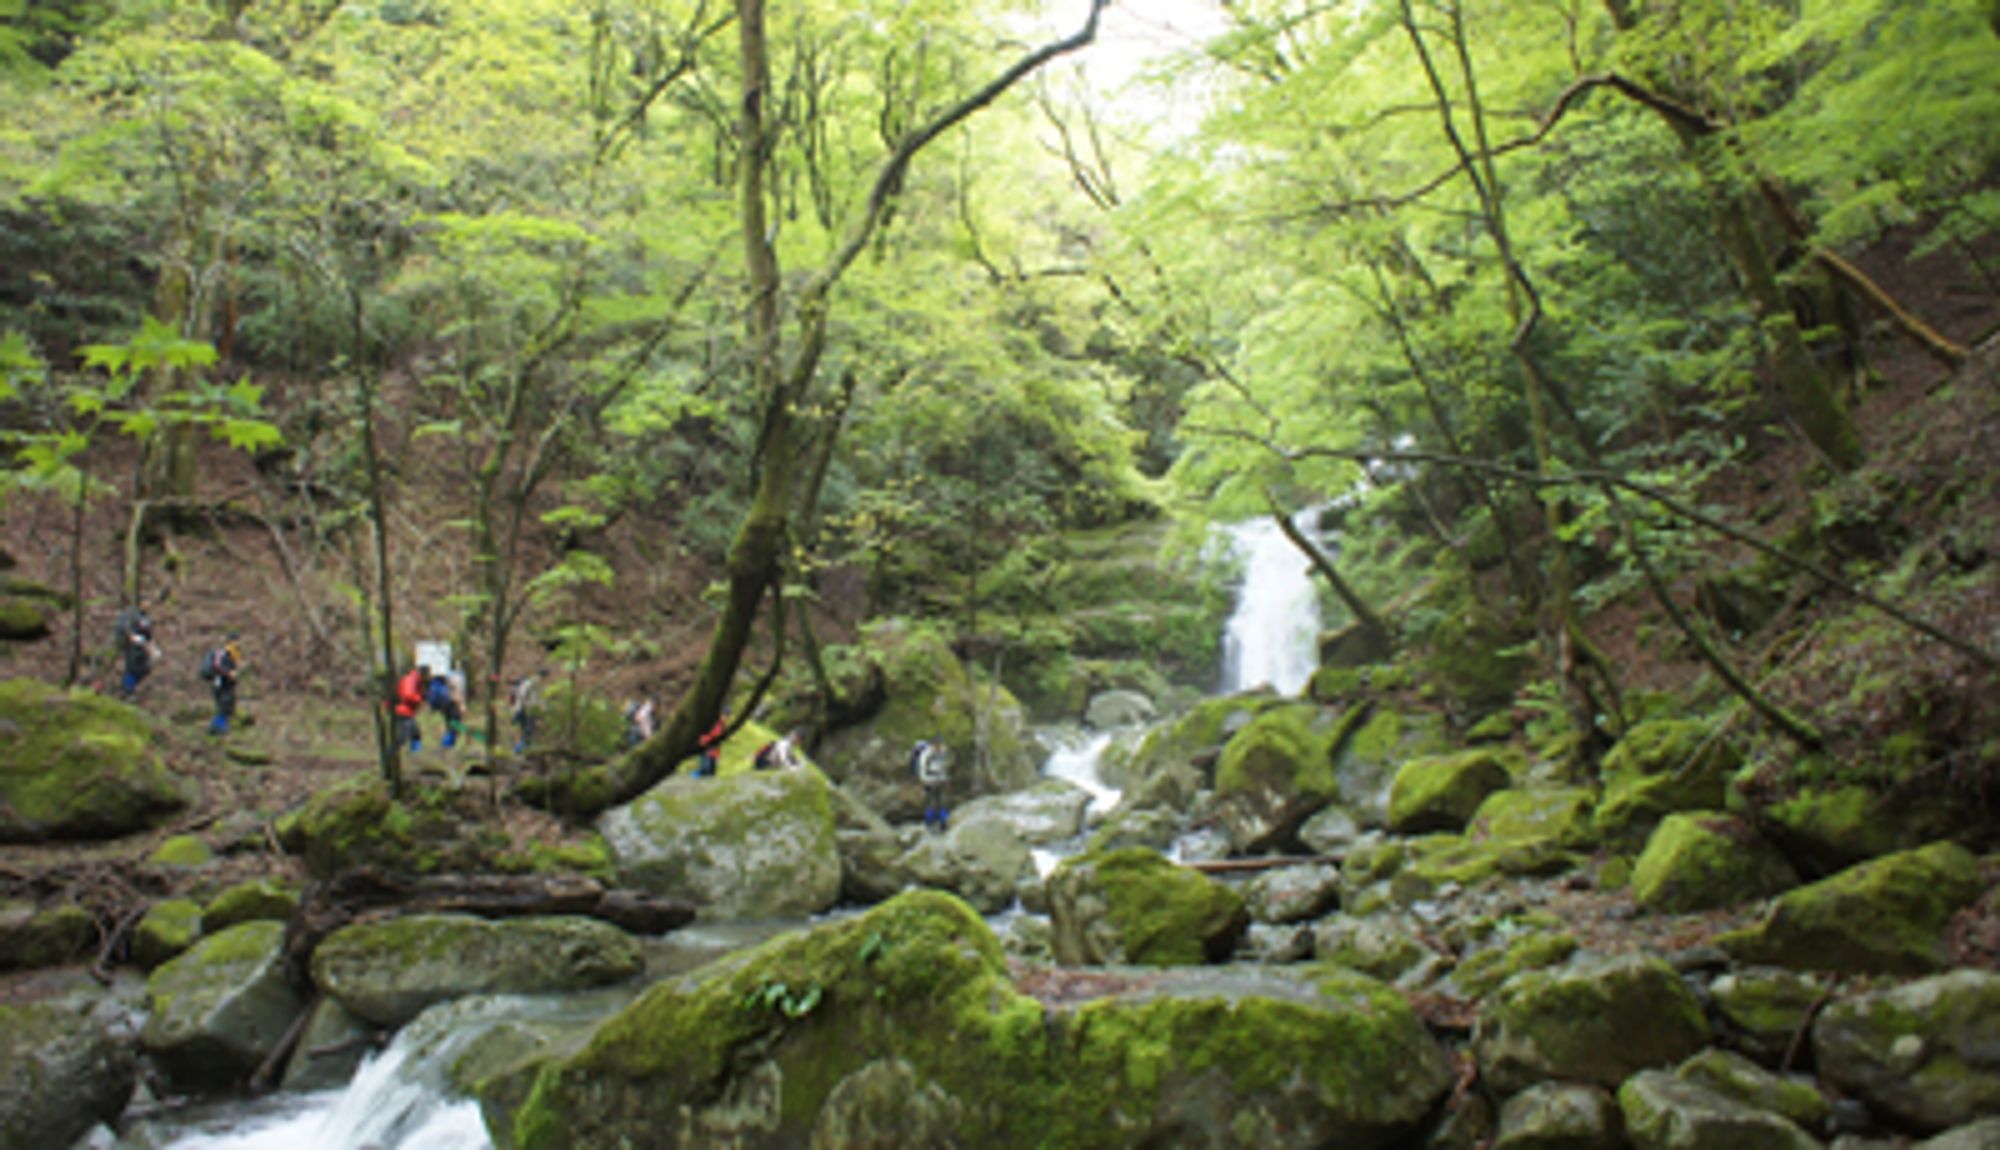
1073 757
1273 636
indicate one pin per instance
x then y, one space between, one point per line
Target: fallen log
1266 862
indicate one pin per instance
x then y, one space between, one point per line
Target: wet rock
1559 1116
168 928
61 1073
1737 1077
32 936
981 861
330 1049
1154 827
1764 1011
1132 906
389 972
1375 947
220 1009
1666 1112
1707 862
1048 812
249 901
1596 1021
1927 1053
1887 916
1108 710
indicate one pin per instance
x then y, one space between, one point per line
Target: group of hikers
138 652
444 693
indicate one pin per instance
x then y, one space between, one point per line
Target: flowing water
1272 637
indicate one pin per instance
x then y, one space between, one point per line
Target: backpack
917 760
211 665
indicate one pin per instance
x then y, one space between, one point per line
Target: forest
1623 373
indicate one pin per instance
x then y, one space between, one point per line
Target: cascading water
1272 637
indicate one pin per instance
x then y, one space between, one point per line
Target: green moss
1887 916
168 928
248 901
1165 915
1705 862
1485 970
74 764
1286 748
1442 792
1559 815
1660 767
182 852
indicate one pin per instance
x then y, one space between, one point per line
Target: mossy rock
1487 969
166 930
1443 792
1827 829
1384 737
1707 862
1372 946
389 972
1661 1108
182 852
1658 768
901 1027
76 765
1277 772
23 620
1133 906
248 901
1437 861
1735 1076
1763 1010
31 937
61 1073
1559 816
1887 916
1927 1054
1473 653
355 823
1595 1020
588 855
219 1010
1202 730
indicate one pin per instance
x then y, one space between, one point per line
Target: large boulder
1727 1072
1927 1054
1443 792
389 972
1882 917
1048 812
1293 893
901 1028
745 846
355 823
980 860
1707 862
1531 816
330 1049
77 765
928 694
165 931
220 1009
1195 737
1666 1112
32 937
1277 772
1560 1116
61 1072
1596 1020
1659 767
1134 906
1382 739
1827 829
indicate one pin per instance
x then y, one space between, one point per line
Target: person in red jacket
410 692
711 747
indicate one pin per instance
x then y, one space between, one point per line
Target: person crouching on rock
711 747
778 754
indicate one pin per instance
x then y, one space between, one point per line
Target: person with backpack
411 692
442 696
778 754
927 764
135 644
219 667
525 704
638 722
711 747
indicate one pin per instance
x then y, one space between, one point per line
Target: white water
1273 636
1074 757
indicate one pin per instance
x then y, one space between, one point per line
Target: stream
401 1098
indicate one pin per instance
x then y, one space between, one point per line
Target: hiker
220 667
711 747
135 642
525 702
927 763
638 722
779 754
411 691
445 695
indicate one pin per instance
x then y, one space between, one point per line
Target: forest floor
305 720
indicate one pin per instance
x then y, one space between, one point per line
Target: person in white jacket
927 762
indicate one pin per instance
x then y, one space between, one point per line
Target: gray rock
1560 1116
748 846
1666 1112
1128 826
1764 1009
1927 1054
1293 893
220 1009
1887 916
32 937
1375 947
1981 1135
341 1035
1331 831
1443 792
1264 942
1733 1075
1111 709
78 765
871 865
982 861
1595 1021
1133 906
1048 812
389 972
61 1073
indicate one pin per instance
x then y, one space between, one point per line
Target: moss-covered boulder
1375 946
1927 1054
1195 736
1277 772
24 620
1706 862
76 765
182 852
32 936
1663 1111
355 823
928 693
220 1009
1596 1020
1762 1010
1434 863
753 845
1660 767
1132 906
1443 792
166 930
1127 826
1882 917
1731 1074
1560 1116
61 1072
1474 652
901 1027
388 972
248 901
1504 954
1555 816
1825 829
1047 812
1383 738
